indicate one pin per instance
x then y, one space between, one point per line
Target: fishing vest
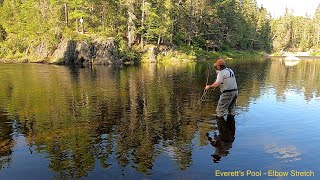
227 80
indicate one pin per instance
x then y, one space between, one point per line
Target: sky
299 7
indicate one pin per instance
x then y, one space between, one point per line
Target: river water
145 122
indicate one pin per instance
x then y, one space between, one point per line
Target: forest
199 29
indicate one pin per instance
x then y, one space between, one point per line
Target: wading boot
230 117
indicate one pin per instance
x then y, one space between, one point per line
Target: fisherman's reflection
223 141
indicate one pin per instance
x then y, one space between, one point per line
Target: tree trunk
131 25
91 13
66 14
77 28
142 25
82 26
102 18
318 36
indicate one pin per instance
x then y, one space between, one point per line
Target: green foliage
316 53
296 33
204 26
190 53
178 39
35 28
125 53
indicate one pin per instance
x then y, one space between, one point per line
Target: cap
219 62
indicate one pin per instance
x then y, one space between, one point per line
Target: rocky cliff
85 52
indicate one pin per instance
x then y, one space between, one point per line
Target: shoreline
42 62
15 61
300 57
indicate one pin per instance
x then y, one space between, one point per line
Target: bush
123 52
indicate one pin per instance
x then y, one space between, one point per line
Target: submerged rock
291 58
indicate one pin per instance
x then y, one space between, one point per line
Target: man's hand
207 87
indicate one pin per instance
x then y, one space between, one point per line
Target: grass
189 53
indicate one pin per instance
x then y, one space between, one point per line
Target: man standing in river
228 88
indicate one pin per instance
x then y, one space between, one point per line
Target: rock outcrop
150 55
86 52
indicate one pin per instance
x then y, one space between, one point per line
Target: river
146 122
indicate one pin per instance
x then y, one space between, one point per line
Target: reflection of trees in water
254 77
6 141
303 77
155 114
134 114
127 113
251 75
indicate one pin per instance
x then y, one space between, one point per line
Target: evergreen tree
316 29
29 25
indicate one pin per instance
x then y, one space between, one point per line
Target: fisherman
228 88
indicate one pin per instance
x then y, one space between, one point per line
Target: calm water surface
144 122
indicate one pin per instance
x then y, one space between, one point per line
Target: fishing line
203 97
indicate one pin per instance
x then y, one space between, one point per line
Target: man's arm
214 85
217 83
